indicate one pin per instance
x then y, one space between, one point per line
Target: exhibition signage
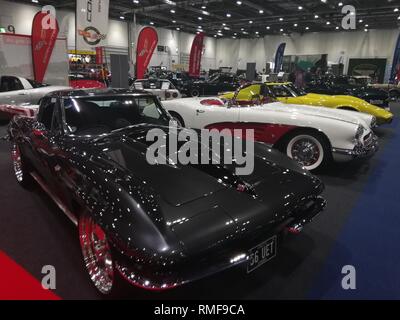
43 41
195 55
396 61
279 57
91 23
146 44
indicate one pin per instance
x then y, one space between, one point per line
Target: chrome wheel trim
96 254
306 150
178 121
17 162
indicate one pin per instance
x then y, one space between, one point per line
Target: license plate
376 102
261 254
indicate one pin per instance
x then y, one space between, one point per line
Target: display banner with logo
44 37
279 57
91 23
195 55
146 44
396 62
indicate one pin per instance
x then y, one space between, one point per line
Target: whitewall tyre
308 150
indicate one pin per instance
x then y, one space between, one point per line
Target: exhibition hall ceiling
249 18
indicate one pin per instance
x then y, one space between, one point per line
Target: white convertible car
161 88
18 91
312 136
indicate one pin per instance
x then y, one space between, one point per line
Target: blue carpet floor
370 239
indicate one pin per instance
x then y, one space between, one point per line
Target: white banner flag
91 23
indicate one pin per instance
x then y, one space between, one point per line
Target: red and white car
312 136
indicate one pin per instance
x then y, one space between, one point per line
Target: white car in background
161 88
312 136
17 91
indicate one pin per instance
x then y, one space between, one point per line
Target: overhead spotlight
172 11
122 17
173 21
228 15
300 8
337 28
295 25
316 16
135 1
251 21
396 10
178 29
152 23
261 11
280 19
307 28
340 4
199 18
239 3
324 1
328 22
268 27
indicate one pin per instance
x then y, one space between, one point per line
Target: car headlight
373 122
359 133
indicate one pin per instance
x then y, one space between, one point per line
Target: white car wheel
306 150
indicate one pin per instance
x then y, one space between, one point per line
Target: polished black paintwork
222 82
168 224
343 86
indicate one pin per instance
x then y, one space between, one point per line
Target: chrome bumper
359 151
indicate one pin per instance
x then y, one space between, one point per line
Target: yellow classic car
288 93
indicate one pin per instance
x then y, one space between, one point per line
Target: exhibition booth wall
340 46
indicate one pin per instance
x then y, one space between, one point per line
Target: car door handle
22 94
200 111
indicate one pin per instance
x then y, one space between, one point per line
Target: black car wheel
194 92
20 168
309 149
178 119
96 254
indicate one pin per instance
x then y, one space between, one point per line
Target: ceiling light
281 30
360 21
280 19
324 1
228 15
261 11
367 25
257 32
340 4
396 10
239 3
35 1
316 16
200 18
251 21
268 27
152 23
173 21
328 22
172 11
295 25
300 8
337 28
178 29
136 1
206 13
307 28
204 7
122 17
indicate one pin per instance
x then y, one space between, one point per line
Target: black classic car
346 85
154 226
217 83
